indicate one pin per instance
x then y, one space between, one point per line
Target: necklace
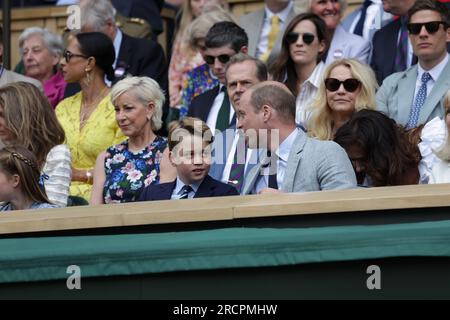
87 109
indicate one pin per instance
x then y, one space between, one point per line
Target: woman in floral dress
125 169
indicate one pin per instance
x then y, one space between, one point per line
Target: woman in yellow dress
88 117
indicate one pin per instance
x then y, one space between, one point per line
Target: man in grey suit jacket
266 113
415 96
257 26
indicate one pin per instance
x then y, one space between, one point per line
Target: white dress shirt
214 112
263 42
307 94
374 17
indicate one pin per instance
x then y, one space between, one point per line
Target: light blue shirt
282 161
176 194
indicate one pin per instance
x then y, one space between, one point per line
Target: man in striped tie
189 145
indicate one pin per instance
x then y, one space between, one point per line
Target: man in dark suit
189 145
223 41
148 10
135 56
387 58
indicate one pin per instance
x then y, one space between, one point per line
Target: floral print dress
128 173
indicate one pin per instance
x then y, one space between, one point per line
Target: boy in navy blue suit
190 152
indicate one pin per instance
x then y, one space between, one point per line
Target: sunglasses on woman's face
350 85
431 27
68 55
307 38
223 58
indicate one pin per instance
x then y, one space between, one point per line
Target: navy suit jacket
145 9
202 104
208 188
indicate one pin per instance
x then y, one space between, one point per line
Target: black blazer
208 188
202 104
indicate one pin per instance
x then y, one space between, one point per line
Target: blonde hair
146 90
198 28
31 119
321 125
19 160
443 152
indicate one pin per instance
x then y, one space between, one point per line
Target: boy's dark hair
432 5
188 125
226 33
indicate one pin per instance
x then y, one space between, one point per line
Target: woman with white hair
41 51
342 44
125 169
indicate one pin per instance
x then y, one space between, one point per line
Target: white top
440 172
214 112
373 19
307 94
230 159
58 168
435 73
432 137
282 161
263 42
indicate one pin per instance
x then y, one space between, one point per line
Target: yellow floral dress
99 132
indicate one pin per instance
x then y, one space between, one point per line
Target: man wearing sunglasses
295 162
223 40
415 96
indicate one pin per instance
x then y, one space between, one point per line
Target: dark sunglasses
68 55
224 58
292 37
350 85
432 27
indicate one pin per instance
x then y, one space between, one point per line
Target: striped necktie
401 57
185 192
237 171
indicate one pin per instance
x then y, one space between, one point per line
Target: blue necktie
185 192
419 102
359 29
273 183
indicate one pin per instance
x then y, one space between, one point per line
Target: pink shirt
54 88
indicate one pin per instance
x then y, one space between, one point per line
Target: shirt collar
283 14
316 77
436 71
285 147
117 43
180 184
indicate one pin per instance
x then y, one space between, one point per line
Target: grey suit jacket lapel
277 47
254 31
436 95
405 94
293 164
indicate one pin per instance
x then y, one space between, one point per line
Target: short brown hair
192 126
432 5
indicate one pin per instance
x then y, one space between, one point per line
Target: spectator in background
380 151
342 44
88 116
41 51
27 119
200 79
265 28
391 50
347 86
299 64
19 181
7 76
184 58
125 169
365 20
415 96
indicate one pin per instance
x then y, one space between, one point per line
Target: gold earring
88 77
